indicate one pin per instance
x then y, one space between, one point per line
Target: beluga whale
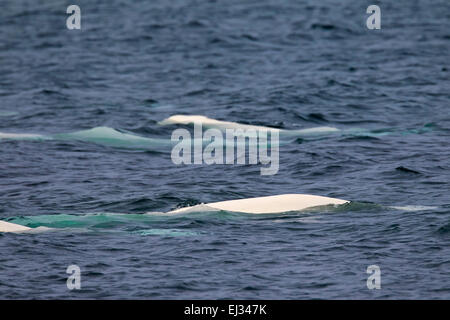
264 205
223 125
261 205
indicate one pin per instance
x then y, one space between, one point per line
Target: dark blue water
287 64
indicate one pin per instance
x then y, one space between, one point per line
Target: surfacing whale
223 125
263 205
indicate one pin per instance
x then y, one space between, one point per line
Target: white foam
415 208
8 113
20 136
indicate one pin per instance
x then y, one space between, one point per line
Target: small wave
165 232
444 230
406 170
379 133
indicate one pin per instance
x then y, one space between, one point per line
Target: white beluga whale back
12 227
213 123
223 125
271 204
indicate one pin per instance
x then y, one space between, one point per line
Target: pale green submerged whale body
262 205
115 138
100 135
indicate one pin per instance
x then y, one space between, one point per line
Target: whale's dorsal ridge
269 204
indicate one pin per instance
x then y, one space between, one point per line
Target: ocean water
94 165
